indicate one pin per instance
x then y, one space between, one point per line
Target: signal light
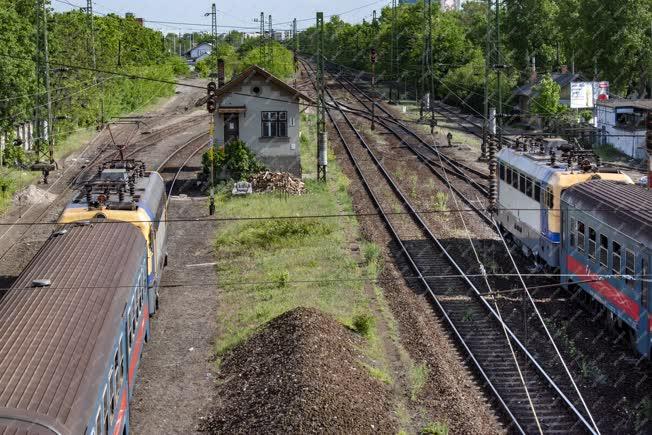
373 55
211 89
211 104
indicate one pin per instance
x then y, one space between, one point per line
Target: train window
573 228
522 183
528 187
615 258
501 171
106 412
121 364
515 176
580 236
98 422
508 175
549 198
592 243
111 394
537 191
604 250
630 266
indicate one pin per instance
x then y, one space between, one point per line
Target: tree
546 102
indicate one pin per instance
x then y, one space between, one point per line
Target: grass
440 201
434 428
418 378
268 267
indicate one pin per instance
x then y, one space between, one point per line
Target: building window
604 250
275 124
592 243
580 236
630 267
615 258
573 229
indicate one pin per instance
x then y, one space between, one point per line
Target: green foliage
274 233
547 100
363 324
122 45
15 155
434 428
234 159
440 201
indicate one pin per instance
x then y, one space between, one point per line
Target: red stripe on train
138 345
117 429
604 288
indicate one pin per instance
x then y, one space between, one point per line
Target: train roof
54 338
625 207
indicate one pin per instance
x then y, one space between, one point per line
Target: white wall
630 142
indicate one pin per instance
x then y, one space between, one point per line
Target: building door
231 127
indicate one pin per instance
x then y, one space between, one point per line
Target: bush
15 155
363 324
235 159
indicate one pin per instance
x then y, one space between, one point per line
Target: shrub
234 158
371 252
15 155
363 324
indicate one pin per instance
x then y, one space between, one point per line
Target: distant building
407 2
263 111
199 52
525 93
451 5
623 124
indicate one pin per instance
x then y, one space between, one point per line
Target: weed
379 374
363 324
468 316
273 233
414 182
440 201
281 279
434 428
418 378
371 252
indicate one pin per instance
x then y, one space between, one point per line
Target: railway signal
211 102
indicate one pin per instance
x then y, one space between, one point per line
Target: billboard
583 95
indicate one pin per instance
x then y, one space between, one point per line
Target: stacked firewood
277 182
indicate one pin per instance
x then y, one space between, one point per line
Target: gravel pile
300 374
33 195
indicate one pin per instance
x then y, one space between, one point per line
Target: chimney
533 74
564 69
648 143
220 73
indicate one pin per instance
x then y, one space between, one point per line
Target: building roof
187 53
625 207
253 70
562 79
54 338
644 104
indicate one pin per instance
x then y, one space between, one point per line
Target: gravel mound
300 374
33 195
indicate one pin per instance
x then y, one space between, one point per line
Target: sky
230 13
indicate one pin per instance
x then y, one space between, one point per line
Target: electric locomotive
124 191
530 184
606 253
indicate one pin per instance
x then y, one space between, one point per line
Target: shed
525 93
264 112
623 124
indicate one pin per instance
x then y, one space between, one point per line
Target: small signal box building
264 112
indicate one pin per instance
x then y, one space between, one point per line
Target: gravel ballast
302 373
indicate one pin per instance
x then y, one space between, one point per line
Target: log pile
277 182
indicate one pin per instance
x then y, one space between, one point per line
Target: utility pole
372 57
487 63
393 69
270 52
322 156
431 76
45 155
373 20
499 68
295 42
214 32
261 41
91 26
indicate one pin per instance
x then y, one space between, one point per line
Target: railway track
476 325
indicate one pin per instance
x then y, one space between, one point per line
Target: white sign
581 95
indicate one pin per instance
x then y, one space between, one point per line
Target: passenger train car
72 329
607 252
124 191
530 185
